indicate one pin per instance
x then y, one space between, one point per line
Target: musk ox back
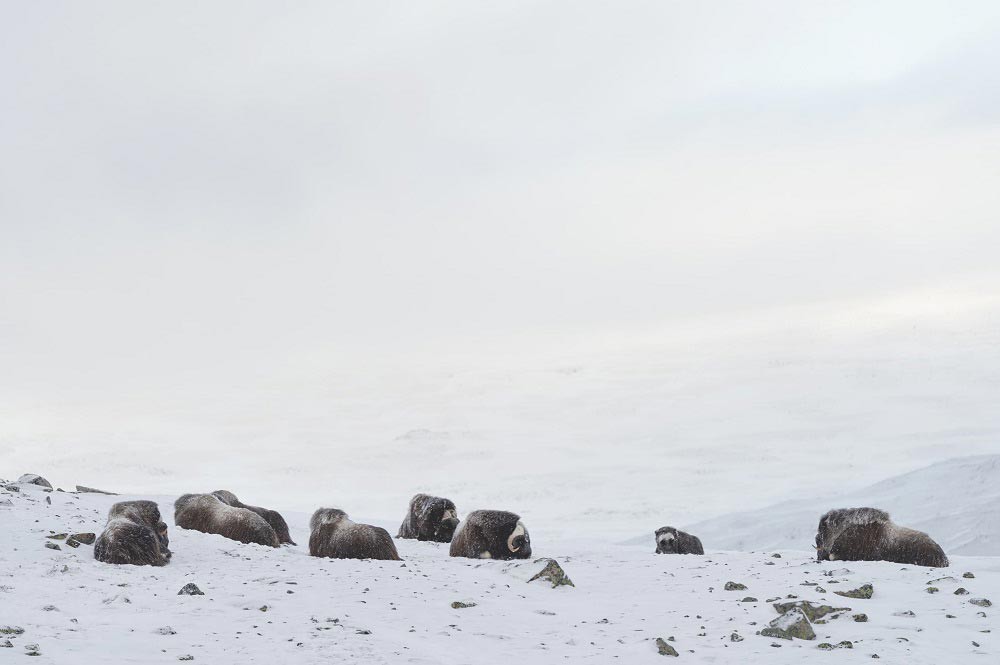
272 517
133 535
671 541
206 513
491 534
868 534
429 518
335 536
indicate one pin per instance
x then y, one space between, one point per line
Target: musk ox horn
518 531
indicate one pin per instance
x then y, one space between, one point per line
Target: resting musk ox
867 534
491 534
335 536
430 518
208 514
272 517
134 534
671 541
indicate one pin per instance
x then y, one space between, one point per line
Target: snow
321 611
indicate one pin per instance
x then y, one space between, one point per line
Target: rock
864 592
932 589
735 637
11 630
749 599
775 556
664 648
187 657
50 608
6 644
860 618
166 630
34 479
57 536
72 543
968 576
52 546
981 602
85 538
190 589
735 586
31 650
811 610
791 624
961 591
459 605
820 589
91 490
905 613
12 488
552 572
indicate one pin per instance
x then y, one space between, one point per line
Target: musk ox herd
136 535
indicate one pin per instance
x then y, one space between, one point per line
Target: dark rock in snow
735 586
861 618
459 605
52 546
34 479
190 589
981 602
968 576
552 572
85 538
863 592
91 490
961 591
664 648
791 624
811 610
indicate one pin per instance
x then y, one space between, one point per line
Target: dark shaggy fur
335 536
671 541
208 514
430 518
868 534
491 534
134 535
272 517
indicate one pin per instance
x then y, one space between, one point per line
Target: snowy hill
263 605
957 502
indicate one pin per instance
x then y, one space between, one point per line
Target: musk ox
491 534
867 534
430 518
671 541
134 534
208 514
335 536
272 517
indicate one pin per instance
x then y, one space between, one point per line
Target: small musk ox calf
867 534
335 536
491 534
272 517
430 518
134 534
671 541
208 514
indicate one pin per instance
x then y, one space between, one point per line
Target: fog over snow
609 265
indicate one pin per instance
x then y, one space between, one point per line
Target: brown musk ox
208 514
272 517
134 534
429 518
491 534
335 536
868 534
673 541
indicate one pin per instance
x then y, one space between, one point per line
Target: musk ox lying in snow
134 534
671 541
491 534
272 517
867 534
430 518
208 514
335 536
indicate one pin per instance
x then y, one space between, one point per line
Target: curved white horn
518 531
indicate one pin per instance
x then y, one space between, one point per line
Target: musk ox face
491 534
430 518
134 535
834 522
673 541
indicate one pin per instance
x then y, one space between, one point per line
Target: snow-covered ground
265 605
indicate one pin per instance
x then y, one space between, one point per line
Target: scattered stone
31 650
961 591
11 630
91 490
6 644
166 630
12 488
72 543
749 599
735 637
932 589
545 613
820 589
975 644
187 657
863 592
190 589
775 556
968 576
50 608
263 608
811 610
791 624
459 605
85 538
664 648
735 586
981 602
552 572
48 500
904 613
837 572
861 618
34 479
52 546
57 536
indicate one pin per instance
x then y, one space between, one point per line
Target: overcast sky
206 186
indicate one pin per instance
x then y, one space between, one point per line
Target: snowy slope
269 606
957 502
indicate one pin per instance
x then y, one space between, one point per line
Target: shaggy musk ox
671 541
272 517
208 514
867 534
335 536
134 534
430 518
491 534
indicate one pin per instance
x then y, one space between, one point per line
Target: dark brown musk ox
135 535
272 517
868 534
334 535
672 541
491 534
208 514
430 518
